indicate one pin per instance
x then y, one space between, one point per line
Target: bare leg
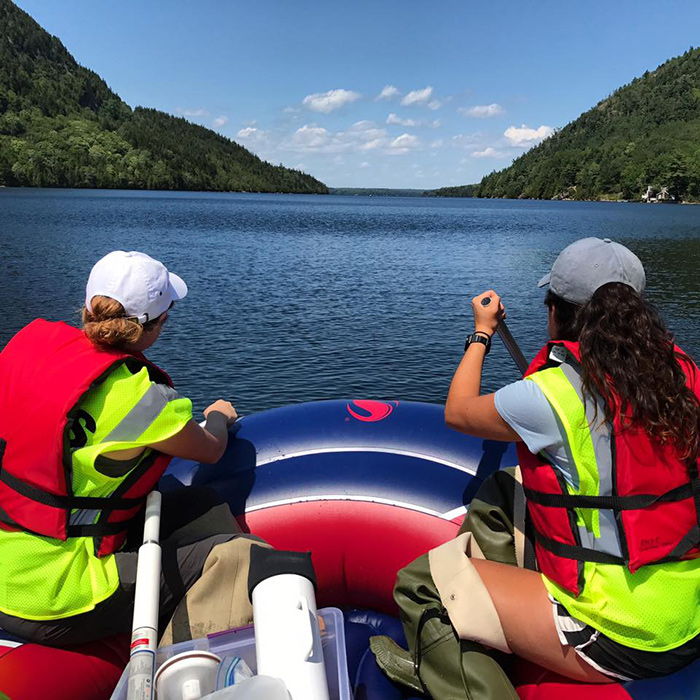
525 611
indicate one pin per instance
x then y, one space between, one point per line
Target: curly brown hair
630 360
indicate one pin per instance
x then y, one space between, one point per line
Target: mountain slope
61 126
645 134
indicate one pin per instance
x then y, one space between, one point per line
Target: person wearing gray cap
607 426
88 426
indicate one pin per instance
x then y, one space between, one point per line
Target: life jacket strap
97 529
65 502
617 503
88 530
572 551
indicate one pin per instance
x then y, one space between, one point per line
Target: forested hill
645 134
456 191
61 126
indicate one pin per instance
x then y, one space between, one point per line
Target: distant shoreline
376 192
344 192
557 199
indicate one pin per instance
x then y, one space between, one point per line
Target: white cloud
400 121
482 111
395 119
310 137
249 132
362 125
327 102
418 97
434 104
364 141
523 136
387 93
404 143
290 110
371 145
201 112
468 140
488 153
256 140
219 122
360 137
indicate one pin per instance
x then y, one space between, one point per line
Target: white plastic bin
241 642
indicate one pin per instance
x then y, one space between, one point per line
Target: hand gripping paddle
509 341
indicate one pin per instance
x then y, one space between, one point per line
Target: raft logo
371 411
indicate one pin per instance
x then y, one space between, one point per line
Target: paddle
144 636
509 341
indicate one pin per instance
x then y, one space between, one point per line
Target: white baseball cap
588 264
142 285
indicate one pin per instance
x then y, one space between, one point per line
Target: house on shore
653 197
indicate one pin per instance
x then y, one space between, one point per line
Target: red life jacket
649 498
45 370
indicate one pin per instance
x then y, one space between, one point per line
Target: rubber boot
396 662
449 667
444 666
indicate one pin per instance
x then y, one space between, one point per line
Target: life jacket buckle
557 354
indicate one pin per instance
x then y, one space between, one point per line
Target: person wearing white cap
607 429
143 286
88 426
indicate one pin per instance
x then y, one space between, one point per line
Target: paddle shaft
509 341
144 635
144 632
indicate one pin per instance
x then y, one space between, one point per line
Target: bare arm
465 410
203 444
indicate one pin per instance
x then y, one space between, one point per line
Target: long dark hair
629 359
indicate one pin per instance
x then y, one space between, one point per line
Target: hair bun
107 323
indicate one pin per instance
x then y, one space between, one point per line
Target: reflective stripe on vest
589 439
632 503
148 408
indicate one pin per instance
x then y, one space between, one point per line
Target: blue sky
394 93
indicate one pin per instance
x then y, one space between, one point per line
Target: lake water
297 298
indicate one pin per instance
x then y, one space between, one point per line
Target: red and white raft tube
366 486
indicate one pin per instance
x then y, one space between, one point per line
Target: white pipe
287 637
144 635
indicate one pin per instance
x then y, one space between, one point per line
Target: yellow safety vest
657 607
42 578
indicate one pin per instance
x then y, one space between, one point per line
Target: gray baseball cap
588 264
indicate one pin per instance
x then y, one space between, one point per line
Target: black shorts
617 660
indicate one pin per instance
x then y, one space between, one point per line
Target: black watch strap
478 338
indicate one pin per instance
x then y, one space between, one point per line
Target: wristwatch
478 338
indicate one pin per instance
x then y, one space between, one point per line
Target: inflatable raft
367 486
